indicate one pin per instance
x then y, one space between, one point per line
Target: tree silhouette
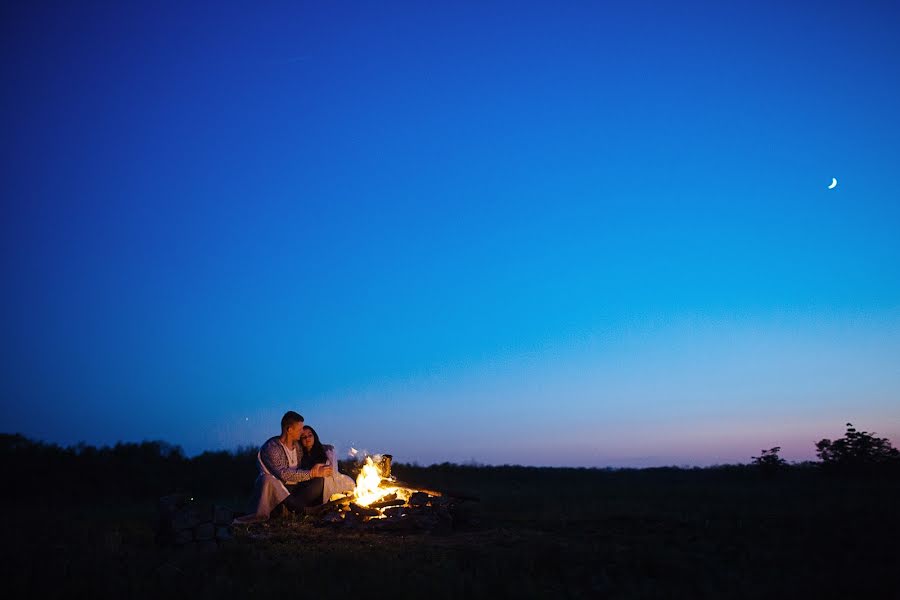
857 450
768 461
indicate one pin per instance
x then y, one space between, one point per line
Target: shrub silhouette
857 451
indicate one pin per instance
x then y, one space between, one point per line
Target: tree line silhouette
858 452
137 470
153 468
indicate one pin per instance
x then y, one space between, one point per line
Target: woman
315 453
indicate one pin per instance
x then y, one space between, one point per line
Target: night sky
525 232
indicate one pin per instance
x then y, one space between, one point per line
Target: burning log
408 487
430 491
382 503
388 503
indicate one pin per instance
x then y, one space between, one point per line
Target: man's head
291 425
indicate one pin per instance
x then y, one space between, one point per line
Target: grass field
579 533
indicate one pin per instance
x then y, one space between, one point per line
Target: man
281 456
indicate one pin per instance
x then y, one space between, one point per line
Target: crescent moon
833 184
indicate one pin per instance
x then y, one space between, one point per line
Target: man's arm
276 462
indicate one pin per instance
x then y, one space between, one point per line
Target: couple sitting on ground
295 475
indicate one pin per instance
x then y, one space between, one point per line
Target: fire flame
369 486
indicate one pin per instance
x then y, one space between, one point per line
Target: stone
398 523
222 515
333 517
172 502
205 531
352 520
442 501
205 512
184 536
168 572
425 521
419 499
186 518
185 552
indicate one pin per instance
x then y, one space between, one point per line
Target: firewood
407 486
430 490
323 508
364 510
387 503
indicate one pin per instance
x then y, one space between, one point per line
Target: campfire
381 502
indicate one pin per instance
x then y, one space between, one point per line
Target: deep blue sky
590 234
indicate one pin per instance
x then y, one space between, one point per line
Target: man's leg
305 493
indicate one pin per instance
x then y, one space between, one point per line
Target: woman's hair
317 452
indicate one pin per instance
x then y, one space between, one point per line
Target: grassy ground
657 533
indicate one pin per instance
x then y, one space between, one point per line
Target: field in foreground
693 533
